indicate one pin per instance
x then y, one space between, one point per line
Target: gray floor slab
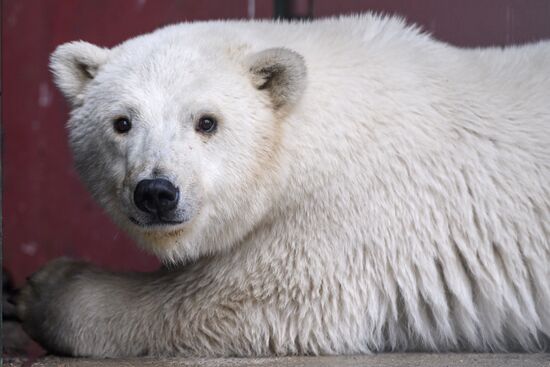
380 360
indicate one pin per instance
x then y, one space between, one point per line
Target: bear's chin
161 243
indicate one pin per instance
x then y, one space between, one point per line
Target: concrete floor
380 360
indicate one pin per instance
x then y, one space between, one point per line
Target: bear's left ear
281 72
74 65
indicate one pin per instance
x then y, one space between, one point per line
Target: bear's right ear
74 65
281 72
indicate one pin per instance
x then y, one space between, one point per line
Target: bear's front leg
74 308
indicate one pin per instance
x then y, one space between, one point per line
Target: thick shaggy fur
368 189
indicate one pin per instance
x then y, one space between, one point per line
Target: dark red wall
47 212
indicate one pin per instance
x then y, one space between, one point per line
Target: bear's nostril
167 196
157 196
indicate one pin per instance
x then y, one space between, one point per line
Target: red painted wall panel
47 212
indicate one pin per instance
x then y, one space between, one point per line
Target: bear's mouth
156 222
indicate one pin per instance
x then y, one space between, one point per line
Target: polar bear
346 185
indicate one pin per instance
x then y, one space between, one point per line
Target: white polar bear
347 185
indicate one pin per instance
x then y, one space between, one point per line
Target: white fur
401 203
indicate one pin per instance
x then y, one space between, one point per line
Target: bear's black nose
158 196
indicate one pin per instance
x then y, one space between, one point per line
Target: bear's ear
74 64
281 72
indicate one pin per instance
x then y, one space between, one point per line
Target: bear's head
179 140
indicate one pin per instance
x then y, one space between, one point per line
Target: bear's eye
122 125
207 124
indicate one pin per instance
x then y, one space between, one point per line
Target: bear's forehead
157 59
164 79
170 62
